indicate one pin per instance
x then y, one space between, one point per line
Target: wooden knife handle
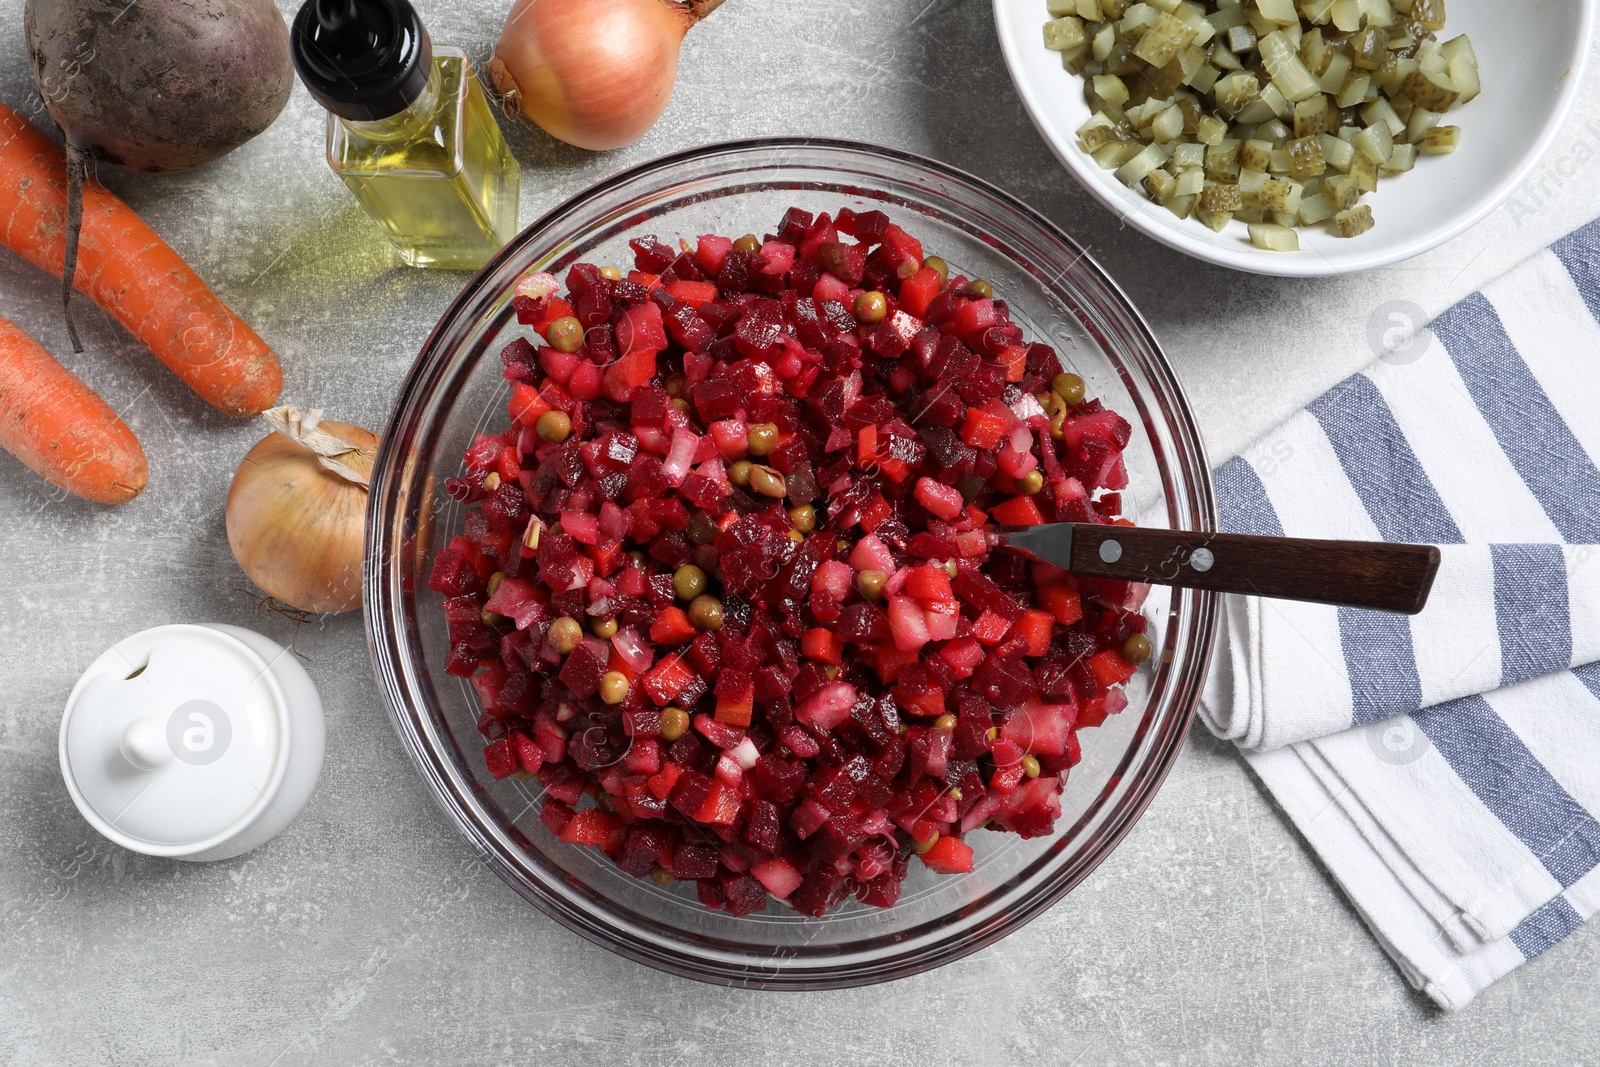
1359 574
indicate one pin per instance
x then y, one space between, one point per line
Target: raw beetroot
820 738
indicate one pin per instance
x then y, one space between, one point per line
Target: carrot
61 428
132 273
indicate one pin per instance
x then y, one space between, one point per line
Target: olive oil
410 130
438 176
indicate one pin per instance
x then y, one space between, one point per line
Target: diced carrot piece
1063 604
1110 668
822 645
1018 511
672 627
949 855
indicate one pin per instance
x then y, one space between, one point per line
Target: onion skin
297 529
593 73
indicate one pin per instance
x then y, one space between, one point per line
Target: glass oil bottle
410 131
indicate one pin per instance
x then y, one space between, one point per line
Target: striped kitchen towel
1446 766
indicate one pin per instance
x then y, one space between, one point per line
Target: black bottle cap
362 59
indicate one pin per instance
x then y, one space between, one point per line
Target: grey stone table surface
368 932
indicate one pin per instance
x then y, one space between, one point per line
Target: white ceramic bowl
1530 53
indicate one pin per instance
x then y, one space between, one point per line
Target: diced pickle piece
1057 8
1140 164
1110 89
1305 157
1368 48
1064 33
1222 161
1441 140
1333 75
1375 142
1282 63
1255 155
1274 238
1402 159
1218 197
1433 91
1354 89
1462 66
1345 191
1365 172
1355 221
1280 11
1191 182
1312 116
1428 13
1163 40
1216 220
1279 196
1210 130
1240 39
1234 91
1313 209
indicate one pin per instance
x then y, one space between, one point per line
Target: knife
1355 574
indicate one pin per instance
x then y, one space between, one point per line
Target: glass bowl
1056 292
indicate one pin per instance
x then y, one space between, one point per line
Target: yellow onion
297 511
594 73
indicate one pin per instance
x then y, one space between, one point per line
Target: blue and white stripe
1444 765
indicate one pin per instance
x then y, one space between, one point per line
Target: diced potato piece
1305 157
1274 238
1353 222
1441 140
1165 38
1215 196
1313 209
1375 142
1255 155
1402 159
1064 33
1141 164
1436 92
1312 116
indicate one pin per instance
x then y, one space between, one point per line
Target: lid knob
144 743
